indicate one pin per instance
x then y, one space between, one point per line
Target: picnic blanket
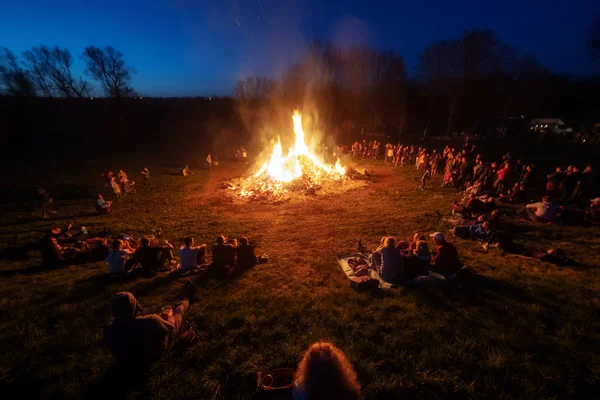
433 277
343 261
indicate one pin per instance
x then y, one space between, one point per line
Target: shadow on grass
26 221
120 381
18 253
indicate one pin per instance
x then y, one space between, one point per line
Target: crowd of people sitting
569 192
399 262
145 256
490 189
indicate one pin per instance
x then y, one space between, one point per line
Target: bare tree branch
107 66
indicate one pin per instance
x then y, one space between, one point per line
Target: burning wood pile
300 171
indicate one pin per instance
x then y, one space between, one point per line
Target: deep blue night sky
185 47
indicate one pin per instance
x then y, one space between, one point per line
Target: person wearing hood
143 338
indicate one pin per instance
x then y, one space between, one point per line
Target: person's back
147 257
117 258
223 253
325 373
246 258
142 338
116 262
446 260
391 261
189 255
135 338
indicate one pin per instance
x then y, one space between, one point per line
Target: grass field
517 329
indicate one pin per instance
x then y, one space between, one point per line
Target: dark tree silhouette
50 69
107 67
593 44
14 80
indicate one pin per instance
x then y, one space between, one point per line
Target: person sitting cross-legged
142 339
190 256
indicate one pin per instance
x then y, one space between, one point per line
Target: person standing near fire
209 162
244 155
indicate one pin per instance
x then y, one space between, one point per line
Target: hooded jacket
132 337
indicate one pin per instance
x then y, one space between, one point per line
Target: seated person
143 339
445 260
479 231
375 257
404 245
418 261
594 211
118 258
246 258
151 258
544 211
476 189
191 256
102 206
391 262
223 253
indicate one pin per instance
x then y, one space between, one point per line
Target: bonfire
298 171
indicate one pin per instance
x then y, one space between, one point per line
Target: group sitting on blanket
404 261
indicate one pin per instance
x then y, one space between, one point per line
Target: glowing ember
298 170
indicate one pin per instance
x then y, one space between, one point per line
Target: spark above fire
299 170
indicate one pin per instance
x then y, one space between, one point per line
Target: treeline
466 84
48 72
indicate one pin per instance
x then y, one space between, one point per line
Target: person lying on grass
143 339
445 259
506 244
54 255
66 235
325 373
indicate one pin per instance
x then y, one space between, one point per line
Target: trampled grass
518 328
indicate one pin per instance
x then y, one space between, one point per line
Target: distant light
210 98
140 97
91 98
